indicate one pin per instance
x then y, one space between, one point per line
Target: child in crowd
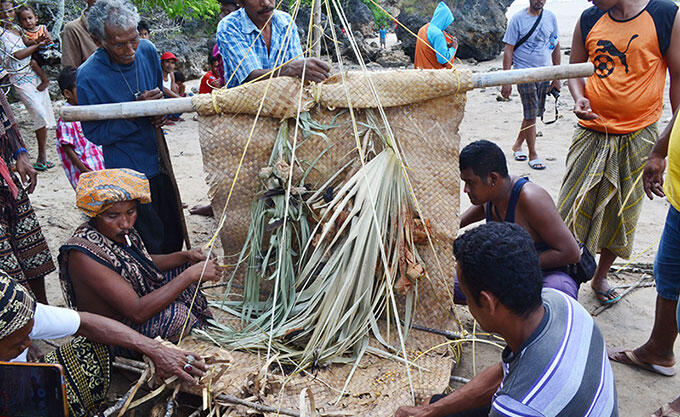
78 155
180 79
211 79
16 58
143 30
33 33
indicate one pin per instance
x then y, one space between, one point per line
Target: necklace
137 94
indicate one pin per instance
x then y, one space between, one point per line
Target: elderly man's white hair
117 14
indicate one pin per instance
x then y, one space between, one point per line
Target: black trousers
158 222
475 412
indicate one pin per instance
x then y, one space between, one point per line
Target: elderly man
24 254
126 68
555 362
85 359
632 44
105 268
77 44
532 40
257 40
497 196
436 49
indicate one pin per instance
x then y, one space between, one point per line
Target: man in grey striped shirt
555 362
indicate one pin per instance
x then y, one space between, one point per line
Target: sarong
135 266
601 195
87 374
24 254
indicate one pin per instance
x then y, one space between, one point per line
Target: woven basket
427 131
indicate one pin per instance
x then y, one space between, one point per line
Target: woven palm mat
428 134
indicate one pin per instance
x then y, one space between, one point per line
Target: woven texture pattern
393 88
427 132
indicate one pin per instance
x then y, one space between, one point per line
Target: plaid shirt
236 33
71 133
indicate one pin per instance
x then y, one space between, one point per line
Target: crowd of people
127 279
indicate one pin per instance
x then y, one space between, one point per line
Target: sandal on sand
666 411
39 167
603 296
520 156
630 358
537 164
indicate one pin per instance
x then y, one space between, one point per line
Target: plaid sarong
603 176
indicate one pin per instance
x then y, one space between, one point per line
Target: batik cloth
97 191
601 195
87 374
134 264
71 134
17 305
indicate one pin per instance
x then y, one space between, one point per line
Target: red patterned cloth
71 133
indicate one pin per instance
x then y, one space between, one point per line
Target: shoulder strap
514 197
531 31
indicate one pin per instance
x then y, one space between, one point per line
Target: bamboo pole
134 109
316 29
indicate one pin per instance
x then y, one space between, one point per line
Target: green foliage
379 17
187 9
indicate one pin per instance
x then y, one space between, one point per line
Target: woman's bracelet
19 151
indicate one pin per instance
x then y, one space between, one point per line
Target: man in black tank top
497 196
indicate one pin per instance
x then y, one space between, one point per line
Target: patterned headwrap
17 305
97 191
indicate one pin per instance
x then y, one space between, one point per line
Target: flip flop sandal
39 167
666 411
48 164
537 164
632 359
603 296
520 156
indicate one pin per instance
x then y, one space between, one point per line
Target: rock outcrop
359 16
479 26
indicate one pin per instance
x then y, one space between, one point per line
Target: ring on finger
188 367
190 359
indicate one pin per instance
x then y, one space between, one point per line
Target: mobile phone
32 389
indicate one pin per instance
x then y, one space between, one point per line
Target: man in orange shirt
436 49
631 44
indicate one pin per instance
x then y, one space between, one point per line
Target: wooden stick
259 407
119 404
146 108
631 288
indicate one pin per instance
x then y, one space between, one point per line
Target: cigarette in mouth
127 240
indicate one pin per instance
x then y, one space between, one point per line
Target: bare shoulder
535 197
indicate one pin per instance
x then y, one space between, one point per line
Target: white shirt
51 323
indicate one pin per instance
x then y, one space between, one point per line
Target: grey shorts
533 98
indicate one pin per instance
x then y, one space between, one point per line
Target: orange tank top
626 90
425 57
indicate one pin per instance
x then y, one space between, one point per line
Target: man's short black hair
67 79
143 25
483 157
211 58
500 258
225 2
180 77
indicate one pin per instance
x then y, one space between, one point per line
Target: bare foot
204 210
43 85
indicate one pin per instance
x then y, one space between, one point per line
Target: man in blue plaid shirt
257 39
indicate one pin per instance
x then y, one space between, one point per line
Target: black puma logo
608 47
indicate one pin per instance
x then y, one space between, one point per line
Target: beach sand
627 324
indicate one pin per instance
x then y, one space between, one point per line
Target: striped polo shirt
561 370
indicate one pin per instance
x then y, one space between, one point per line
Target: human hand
409 411
506 90
170 361
453 43
27 174
212 272
158 121
43 40
556 85
314 69
583 111
194 256
155 94
652 176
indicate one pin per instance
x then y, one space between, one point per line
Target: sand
626 324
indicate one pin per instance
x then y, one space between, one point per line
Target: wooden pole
133 109
316 29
